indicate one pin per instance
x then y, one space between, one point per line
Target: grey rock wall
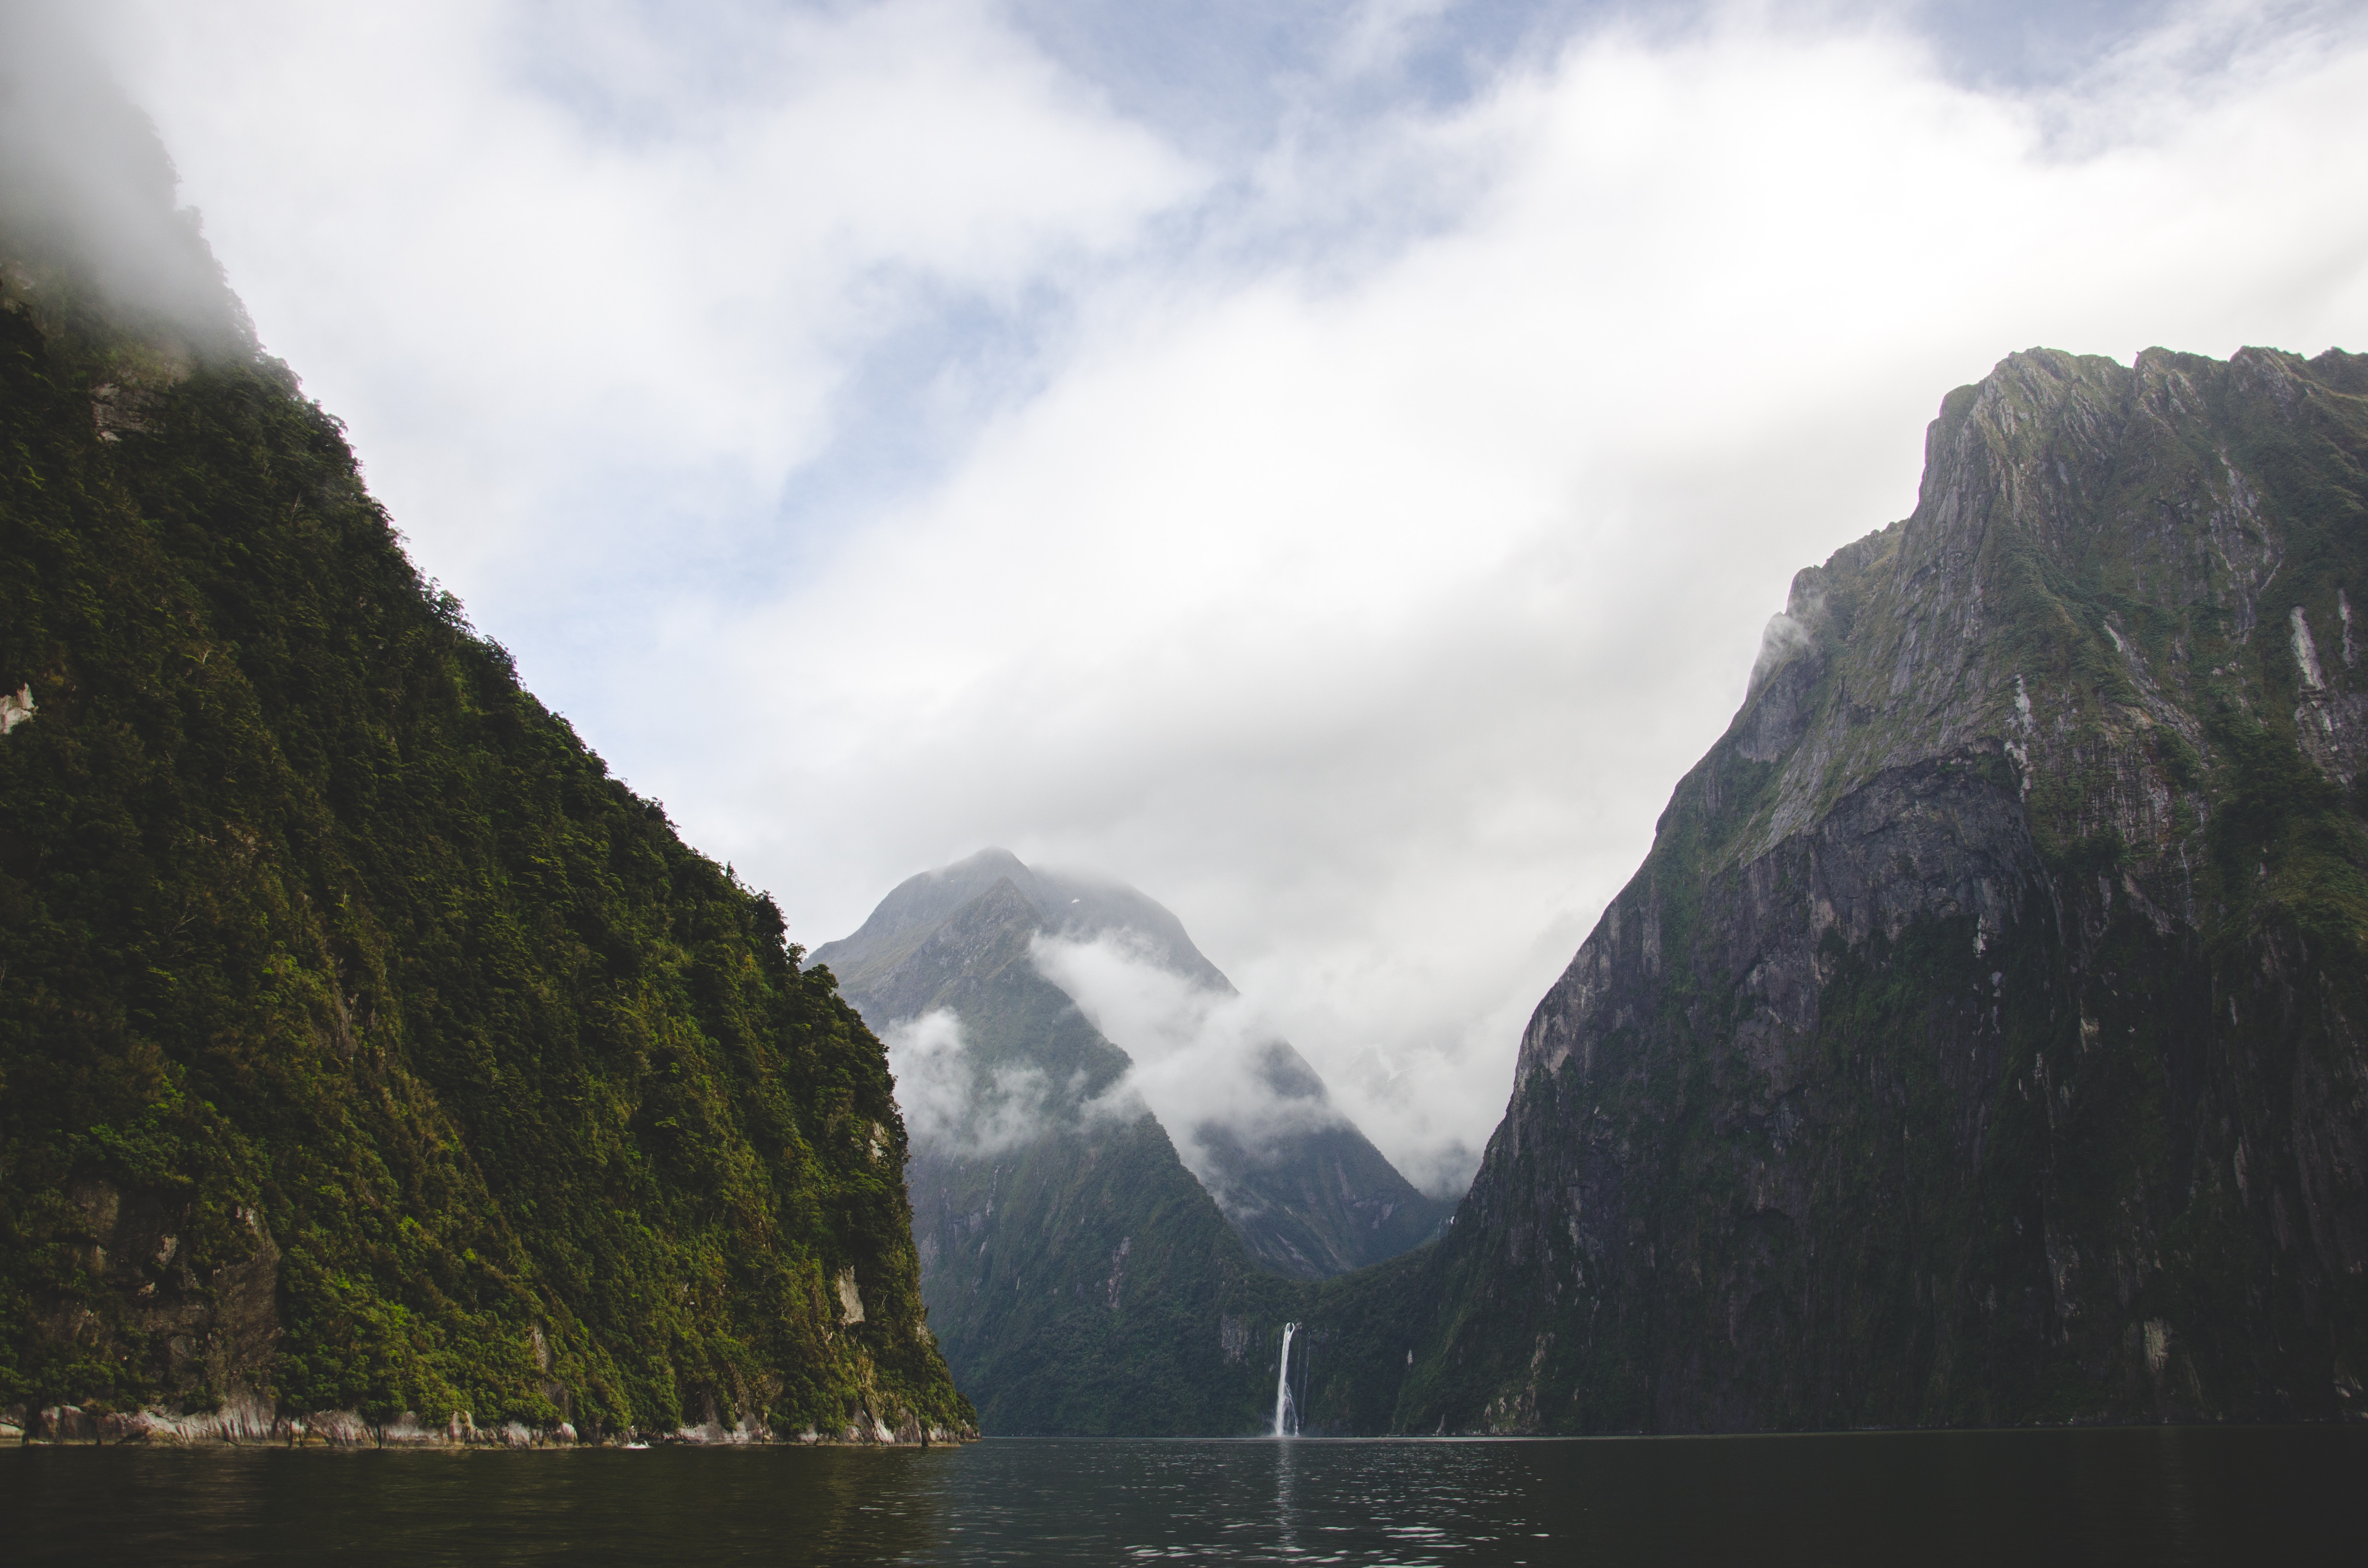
1981 1039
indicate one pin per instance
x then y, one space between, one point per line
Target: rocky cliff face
1983 1039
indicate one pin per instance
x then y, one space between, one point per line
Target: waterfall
1285 1414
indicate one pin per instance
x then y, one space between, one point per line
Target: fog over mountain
82 176
1105 1240
1019 1005
1205 1059
1332 466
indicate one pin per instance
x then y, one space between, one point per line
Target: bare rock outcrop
1982 1040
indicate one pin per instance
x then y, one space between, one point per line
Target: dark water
2289 1495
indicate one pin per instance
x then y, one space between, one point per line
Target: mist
953 1110
87 189
1205 1062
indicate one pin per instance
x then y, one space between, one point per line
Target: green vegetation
363 1044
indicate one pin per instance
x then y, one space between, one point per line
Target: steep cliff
371 1065
1982 1040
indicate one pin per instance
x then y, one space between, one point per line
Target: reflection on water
1286 1526
2134 1495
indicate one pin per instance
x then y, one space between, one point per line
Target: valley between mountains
1981 1042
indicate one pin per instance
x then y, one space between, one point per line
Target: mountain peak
1078 907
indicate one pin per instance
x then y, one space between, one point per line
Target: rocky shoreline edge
254 1424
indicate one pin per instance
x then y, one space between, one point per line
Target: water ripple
2154 1496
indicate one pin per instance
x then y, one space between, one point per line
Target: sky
1329 465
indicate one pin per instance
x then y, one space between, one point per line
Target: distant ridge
1153 1297
1067 906
1324 1202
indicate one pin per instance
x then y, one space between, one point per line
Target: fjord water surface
2294 1496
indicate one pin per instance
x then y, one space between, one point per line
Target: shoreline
253 1425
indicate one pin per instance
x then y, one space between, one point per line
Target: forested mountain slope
1982 1040
364 1049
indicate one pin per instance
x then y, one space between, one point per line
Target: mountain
1078 1275
372 1063
1315 1200
1079 1279
1068 906
1982 1040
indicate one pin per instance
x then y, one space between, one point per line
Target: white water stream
1285 1416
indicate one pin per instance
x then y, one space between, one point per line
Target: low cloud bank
86 187
1207 1063
952 1109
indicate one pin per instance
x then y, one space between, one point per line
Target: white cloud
1356 584
586 286
1199 1055
951 1107
1369 626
